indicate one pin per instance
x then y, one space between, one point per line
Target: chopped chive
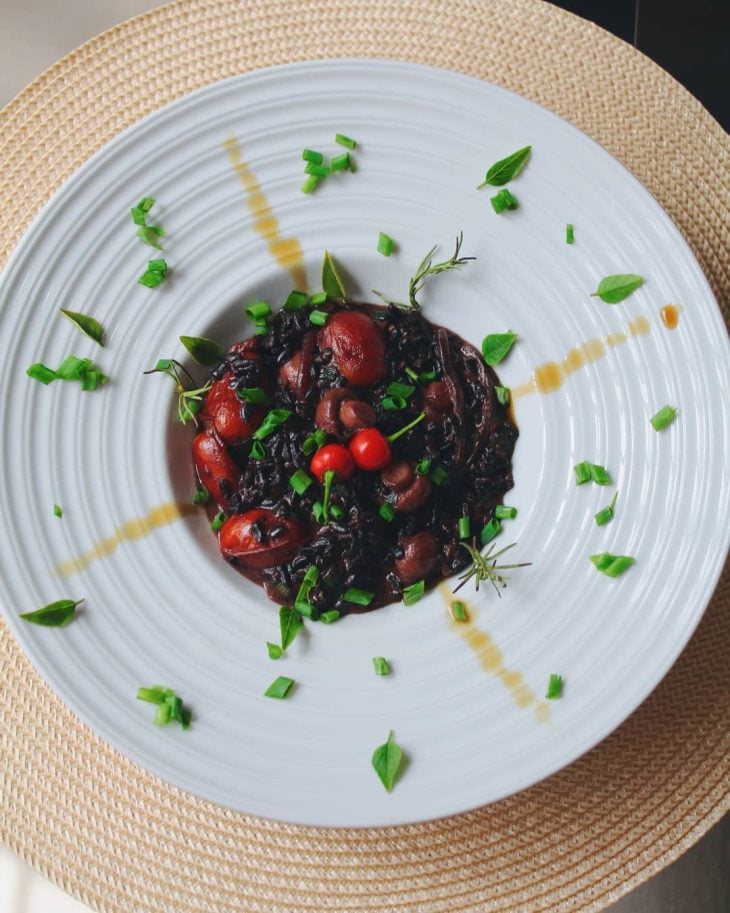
170 707
317 171
502 512
318 511
310 155
586 472
357 596
582 473
330 616
439 476
386 511
296 300
606 515
280 687
201 495
503 200
42 373
57 511
319 318
218 521
272 420
300 481
397 389
393 403
251 395
261 329
155 694
464 527
406 428
458 610
310 184
385 244
380 664
665 416
490 530
162 714
612 565
555 687
329 478
151 278
145 204
319 298
569 234
414 592
258 311
343 140
314 442
340 162
258 451
412 374
503 395
423 466
353 166
151 234
157 266
337 512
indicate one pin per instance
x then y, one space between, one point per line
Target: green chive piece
151 234
329 478
612 565
145 204
380 664
423 466
386 244
458 610
40 372
218 521
464 527
280 687
154 694
201 495
54 615
170 707
318 171
606 515
503 200
296 300
439 476
319 318
353 166
329 617
318 511
319 298
88 325
157 266
337 512
490 530
314 442
258 451
272 420
252 395
258 311
397 389
340 162
591 472
345 141
569 234
665 416
503 395
204 351
502 512
357 596
387 761
555 687
406 428
414 592
300 481
582 473
310 184
386 511
57 511
393 403
162 714
155 274
310 155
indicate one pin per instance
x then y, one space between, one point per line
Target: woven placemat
121 840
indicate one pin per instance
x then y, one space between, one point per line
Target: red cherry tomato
332 456
370 450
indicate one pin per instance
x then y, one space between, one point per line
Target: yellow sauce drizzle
286 251
491 659
670 315
162 515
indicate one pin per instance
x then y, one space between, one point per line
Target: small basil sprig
616 288
54 615
204 351
496 346
387 761
88 325
189 401
506 169
332 282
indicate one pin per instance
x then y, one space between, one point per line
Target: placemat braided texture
121 840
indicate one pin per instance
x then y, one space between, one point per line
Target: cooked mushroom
421 558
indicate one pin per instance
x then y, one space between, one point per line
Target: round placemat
121 840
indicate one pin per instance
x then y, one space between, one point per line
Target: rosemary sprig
485 567
428 268
189 397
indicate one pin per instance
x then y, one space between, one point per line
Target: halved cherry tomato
332 456
260 538
370 450
358 346
215 466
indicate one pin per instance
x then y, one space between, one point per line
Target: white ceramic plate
167 609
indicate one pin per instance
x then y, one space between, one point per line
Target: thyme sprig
428 268
484 566
189 396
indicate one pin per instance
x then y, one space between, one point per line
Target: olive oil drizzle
286 251
129 531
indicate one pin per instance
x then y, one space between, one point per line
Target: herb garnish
492 529
386 244
217 522
485 566
272 420
606 514
329 478
72 368
329 617
503 171
201 496
591 472
458 610
428 268
665 416
204 351
189 400
88 325
139 213
612 565
503 512
380 664
496 346
170 707
345 141
503 200
274 650
57 511
280 687
613 289
150 234
302 603
387 760
569 234
414 592
503 394
314 442
290 624
331 280
401 431
357 596
54 615
155 273
555 687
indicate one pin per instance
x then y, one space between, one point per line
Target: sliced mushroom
411 490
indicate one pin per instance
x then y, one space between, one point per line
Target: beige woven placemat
121 840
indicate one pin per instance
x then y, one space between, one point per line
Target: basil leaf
274 650
54 615
613 289
86 324
386 761
331 279
290 624
496 346
205 351
507 168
